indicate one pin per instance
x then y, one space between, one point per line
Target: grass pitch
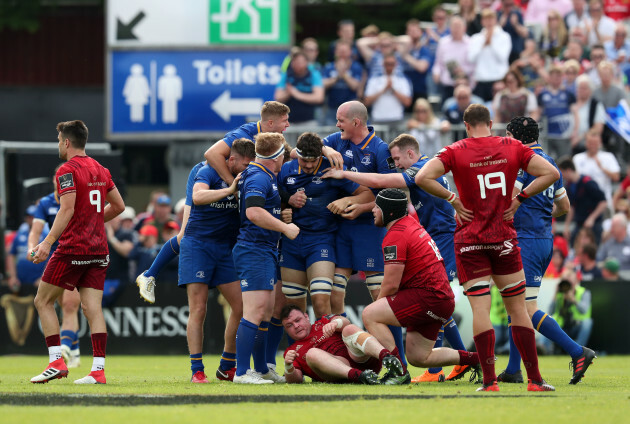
156 389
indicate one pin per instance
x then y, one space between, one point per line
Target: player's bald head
354 110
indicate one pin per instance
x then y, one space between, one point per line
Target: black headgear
524 129
393 203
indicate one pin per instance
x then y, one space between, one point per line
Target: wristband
451 198
522 196
339 322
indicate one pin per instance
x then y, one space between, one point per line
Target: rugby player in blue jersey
256 256
205 258
436 216
274 118
308 262
45 214
533 226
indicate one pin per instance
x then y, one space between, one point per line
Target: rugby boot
368 377
427 377
94 377
199 377
506 377
54 370
541 386
226 375
492 387
581 364
146 287
458 372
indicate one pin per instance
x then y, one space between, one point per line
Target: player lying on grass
333 350
415 292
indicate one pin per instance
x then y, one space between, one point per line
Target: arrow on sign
124 31
225 106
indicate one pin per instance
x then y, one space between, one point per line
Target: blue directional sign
183 93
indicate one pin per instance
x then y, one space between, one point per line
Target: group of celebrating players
267 226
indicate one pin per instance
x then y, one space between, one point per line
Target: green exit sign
263 22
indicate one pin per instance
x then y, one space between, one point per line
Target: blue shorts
446 243
306 249
205 261
536 255
359 246
256 266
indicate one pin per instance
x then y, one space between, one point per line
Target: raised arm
216 156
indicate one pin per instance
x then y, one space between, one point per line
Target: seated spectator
571 309
610 269
145 249
585 236
489 50
622 206
417 58
599 28
342 80
587 269
451 101
590 112
556 266
388 94
618 246
514 99
311 51
455 113
451 59
160 218
554 102
597 164
588 202
511 21
554 36
618 49
426 128
597 56
345 32
531 65
301 89
576 51
374 49
578 16
571 70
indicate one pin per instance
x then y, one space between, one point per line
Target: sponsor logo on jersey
432 315
224 184
324 253
244 283
290 180
354 169
349 154
508 248
298 347
276 211
370 262
275 187
200 274
390 253
538 278
411 172
390 163
53 210
317 180
366 160
66 181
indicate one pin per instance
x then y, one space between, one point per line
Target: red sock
397 355
485 347
99 342
468 358
383 354
525 341
353 374
53 340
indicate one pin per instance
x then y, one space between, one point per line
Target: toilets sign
160 23
173 94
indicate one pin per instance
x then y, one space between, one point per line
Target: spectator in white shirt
578 16
601 166
590 112
599 28
388 94
489 50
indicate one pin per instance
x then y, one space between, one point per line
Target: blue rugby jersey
248 131
533 217
218 220
190 183
314 215
436 215
258 181
371 155
47 209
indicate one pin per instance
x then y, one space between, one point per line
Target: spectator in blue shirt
343 79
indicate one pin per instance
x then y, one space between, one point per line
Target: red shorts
338 349
70 271
478 260
420 310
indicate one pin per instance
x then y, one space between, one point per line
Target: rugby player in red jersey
415 292
485 168
332 350
82 258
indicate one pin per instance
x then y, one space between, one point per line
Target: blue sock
245 336
452 335
196 362
67 337
169 250
438 343
343 314
514 362
276 331
75 341
228 361
260 348
400 344
548 327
